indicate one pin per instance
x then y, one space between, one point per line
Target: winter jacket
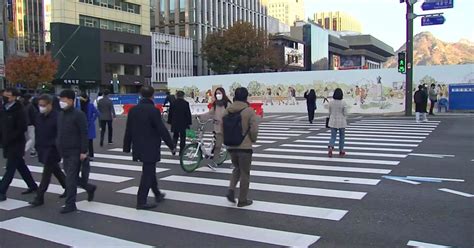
13 125
338 114
250 123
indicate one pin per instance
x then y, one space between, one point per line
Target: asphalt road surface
401 184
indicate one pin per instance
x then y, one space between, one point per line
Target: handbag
327 122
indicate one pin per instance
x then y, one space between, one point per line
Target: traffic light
401 62
43 86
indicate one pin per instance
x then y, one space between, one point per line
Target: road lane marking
11 204
358 143
327 159
456 192
256 234
272 187
366 154
261 206
62 234
366 139
320 178
350 148
93 176
400 179
425 245
376 136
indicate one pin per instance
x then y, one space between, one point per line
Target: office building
28 26
331 50
290 52
287 11
338 21
275 26
172 56
91 59
195 19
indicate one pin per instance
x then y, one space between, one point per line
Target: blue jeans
332 141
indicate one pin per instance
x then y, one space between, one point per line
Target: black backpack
232 125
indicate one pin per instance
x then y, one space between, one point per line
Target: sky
385 19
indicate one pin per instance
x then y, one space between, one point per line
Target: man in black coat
46 130
180 119
13 125
72 143
421 103
143 135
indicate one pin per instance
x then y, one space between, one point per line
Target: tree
428 80
33 71
240 49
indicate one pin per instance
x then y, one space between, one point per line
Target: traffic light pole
410 16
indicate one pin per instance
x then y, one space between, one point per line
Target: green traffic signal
401 62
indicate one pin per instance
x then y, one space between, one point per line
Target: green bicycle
193 154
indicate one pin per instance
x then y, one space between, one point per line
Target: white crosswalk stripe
290 159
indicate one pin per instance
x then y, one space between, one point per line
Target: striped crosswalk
292 176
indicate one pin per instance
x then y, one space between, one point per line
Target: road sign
432 20
437 4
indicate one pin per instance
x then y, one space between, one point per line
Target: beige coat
249 120
217 115
338 114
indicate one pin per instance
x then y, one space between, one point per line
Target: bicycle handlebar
203 123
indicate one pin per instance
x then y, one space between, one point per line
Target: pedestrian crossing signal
401 62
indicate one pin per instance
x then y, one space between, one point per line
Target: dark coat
144 132
310 101
31 114
46 131
179 115
421 101
72 132
105 106
13 125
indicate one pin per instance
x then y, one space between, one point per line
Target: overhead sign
432 20
437 4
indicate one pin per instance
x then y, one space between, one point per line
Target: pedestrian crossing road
302 198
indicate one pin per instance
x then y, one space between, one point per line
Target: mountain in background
428 50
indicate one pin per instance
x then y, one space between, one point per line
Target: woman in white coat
337 121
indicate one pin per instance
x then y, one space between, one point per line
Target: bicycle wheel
222 156
190 158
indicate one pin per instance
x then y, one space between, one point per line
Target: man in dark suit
46 130
107 114
13 125
180 119
143 135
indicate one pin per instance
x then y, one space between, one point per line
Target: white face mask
63 105
43 110
219 97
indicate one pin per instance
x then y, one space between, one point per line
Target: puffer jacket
250 122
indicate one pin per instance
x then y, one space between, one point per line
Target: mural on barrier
366 91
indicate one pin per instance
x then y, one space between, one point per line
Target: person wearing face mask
216 112
72 143
92 114
13 125
180 119
46 130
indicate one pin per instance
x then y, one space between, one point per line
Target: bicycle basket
191 134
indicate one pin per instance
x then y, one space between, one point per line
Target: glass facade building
196 18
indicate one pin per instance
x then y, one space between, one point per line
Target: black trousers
311 110
91 148
16 163
147 181
432 106
103 125
182 139
72 166
48 171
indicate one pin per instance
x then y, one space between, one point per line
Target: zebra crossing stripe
271 187
375 136
396 120
263 135
423 126
382 132
116 166
261 206
424 245
264 130
413 129
456 192
93 176
350 148
277 128
368 139
63 235
358 143
11 204
53 188
366 154
229 230
405 131
344 160
320 178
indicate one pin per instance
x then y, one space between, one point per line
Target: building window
113 69
326 23
88 21
115 4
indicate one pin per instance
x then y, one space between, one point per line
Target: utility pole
410 17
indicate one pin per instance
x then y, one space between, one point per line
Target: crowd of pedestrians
63 129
